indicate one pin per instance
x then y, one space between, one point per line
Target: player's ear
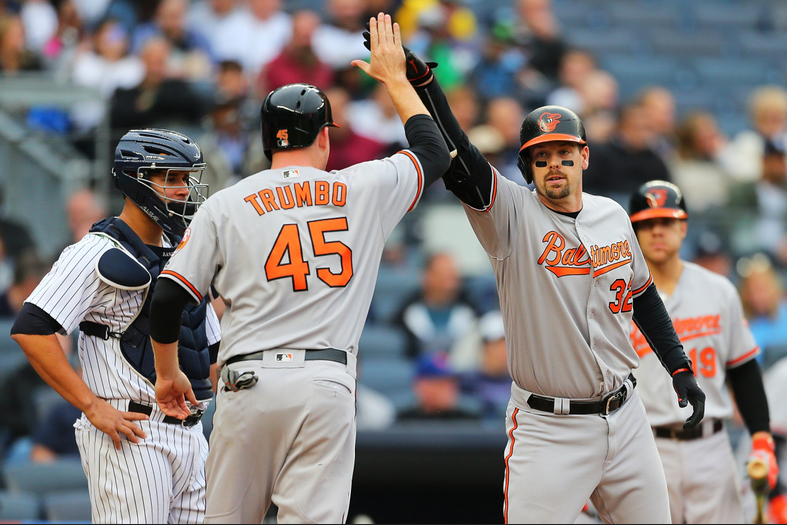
323 140
585 152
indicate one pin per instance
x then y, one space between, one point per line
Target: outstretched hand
689 391
419 73
387 62
171 395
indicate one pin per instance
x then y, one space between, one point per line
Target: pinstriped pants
161 479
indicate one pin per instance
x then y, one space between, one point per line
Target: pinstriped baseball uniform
295 254
137 483
708 317
587 270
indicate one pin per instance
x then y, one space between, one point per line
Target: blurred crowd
204 66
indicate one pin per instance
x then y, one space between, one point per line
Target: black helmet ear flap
524 167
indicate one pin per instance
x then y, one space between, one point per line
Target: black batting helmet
547 124
141 151
292 116
657 199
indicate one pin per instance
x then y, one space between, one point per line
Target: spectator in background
628 160
696 168
375 118
437 393
103 63
711 252
268 29
15 57
600 93
298 61
764 305
761 208
191 56
339 39
495 74
660 107
439 315
768 121
59 51
40 21
446 33
540 34
15 236
491 383
28 272
158 100
505 114
575 66
54 437
465 105
83 209
347 146
222 23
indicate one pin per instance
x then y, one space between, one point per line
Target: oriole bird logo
549 121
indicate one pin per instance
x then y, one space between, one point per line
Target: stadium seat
381 342
389 376
393 286
19 506
67 506
42 478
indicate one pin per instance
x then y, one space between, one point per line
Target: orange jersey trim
494 190
420 178
642 289
744 357
510 453
184 282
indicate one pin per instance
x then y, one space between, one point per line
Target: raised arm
387 65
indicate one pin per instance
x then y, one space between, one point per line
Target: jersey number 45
286 256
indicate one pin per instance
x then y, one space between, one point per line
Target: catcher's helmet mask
547 124
292 116
657 199
140 153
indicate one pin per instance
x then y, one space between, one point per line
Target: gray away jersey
707 314
566 287
295 252
72 292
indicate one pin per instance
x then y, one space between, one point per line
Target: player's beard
557 193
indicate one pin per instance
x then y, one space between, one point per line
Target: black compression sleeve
651 317
470 176
746 383
32 320
428 145
166 310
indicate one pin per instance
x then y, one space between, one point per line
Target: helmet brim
551 137
659 213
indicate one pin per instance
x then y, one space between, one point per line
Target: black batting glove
689 391
419 73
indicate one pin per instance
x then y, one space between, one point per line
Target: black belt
190 421
606 405
327 354
686 435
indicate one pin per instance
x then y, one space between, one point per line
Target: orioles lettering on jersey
307 193
561 260
703 360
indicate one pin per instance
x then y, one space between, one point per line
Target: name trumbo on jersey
307 193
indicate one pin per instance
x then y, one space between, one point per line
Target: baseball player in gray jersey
142 466
294 252
570 276
708 317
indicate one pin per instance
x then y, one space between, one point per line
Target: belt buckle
616 396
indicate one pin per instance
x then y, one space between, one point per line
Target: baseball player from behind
708 317
294 251
142 466
570 276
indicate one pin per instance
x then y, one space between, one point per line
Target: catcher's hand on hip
689 391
